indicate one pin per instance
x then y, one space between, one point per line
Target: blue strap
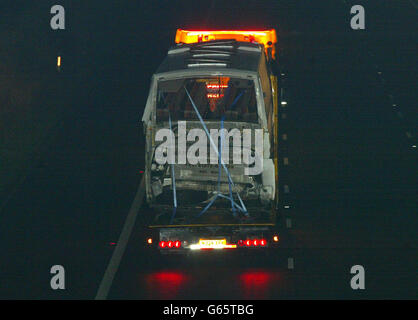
173 179
231 183
236 99
207 133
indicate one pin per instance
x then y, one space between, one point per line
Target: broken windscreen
214 97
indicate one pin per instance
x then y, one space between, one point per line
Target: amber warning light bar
266 37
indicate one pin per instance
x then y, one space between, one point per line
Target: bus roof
215 54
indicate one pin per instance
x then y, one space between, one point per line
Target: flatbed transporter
213 80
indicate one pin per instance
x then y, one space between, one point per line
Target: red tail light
170 244
253 243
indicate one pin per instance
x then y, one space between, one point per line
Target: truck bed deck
213 217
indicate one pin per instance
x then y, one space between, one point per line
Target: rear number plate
212 243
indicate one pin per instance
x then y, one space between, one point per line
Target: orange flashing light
216 86
214 95
266 37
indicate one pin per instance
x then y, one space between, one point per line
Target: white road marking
290 263
113 266
285 161
284 136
